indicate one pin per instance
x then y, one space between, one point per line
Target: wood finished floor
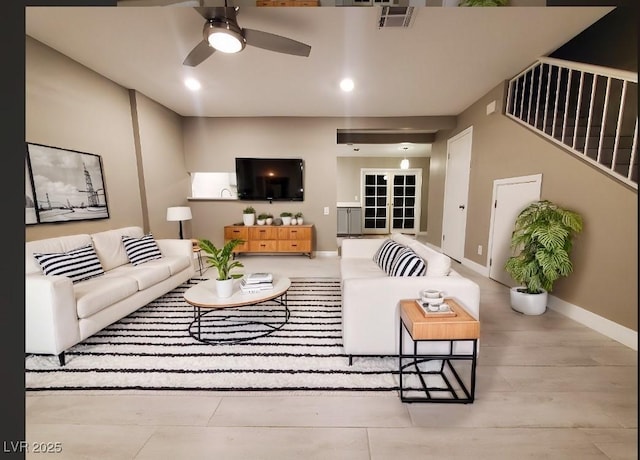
547 387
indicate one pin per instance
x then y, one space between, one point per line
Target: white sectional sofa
370 297
60 313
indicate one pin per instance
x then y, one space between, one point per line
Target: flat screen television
270 179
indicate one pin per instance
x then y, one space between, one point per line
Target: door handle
461 206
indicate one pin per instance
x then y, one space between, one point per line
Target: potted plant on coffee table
249 215
223 261
542 240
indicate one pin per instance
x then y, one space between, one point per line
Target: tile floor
548 387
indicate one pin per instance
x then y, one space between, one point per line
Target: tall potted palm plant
223 261
542 240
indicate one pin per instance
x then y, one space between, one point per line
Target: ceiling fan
222 33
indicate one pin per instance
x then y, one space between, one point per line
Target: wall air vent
395 16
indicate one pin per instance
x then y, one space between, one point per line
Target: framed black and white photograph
30 213
67 185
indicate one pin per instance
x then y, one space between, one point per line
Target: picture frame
30 209
68 185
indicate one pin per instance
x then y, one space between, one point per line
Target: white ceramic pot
261 221
300 220
249 219
286 220
529 304
294 221
269 220
224 288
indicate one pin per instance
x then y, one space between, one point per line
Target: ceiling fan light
225 37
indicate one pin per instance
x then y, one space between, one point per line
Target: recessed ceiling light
192 84
346 84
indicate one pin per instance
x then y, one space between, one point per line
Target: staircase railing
591 111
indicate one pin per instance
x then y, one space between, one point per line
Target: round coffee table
232 319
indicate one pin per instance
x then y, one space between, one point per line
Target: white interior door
510 196
456 190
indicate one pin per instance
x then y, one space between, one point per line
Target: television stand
274 239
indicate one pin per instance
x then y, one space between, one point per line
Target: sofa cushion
145 275
386 254
360 268
78 264
175 263
141 250
109 246
58 244
438 264
96 294
408 263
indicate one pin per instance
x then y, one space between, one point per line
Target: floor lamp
179 213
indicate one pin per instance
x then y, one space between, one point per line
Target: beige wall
165 178
70 106
605 258
348 180
211 145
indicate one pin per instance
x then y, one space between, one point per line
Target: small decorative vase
286 220
300 220
269 220
249 219
224 288
294 221
260 221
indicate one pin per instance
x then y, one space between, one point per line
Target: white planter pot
286 220
261 221
269 220
300 220
249 219
294 221
224 288
529 304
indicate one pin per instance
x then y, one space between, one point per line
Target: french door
391 200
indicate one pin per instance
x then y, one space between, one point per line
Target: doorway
391 200
510 196
456 190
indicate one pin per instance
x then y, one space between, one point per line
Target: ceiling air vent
395 16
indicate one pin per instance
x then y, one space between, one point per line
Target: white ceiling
442 63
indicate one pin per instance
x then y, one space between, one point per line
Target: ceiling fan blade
198 54
275 43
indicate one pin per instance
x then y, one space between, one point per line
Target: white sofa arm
371 305
360 247
51 319
175 247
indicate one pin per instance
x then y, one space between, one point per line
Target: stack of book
256 282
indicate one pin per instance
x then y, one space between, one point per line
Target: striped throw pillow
386 254
141 250
408 263
77 264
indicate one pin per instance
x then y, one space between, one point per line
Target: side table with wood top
421 327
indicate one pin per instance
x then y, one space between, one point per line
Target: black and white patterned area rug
151 349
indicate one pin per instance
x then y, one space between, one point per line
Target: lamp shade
179 213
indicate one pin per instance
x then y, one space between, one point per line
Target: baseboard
615 331
476 267
325 253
